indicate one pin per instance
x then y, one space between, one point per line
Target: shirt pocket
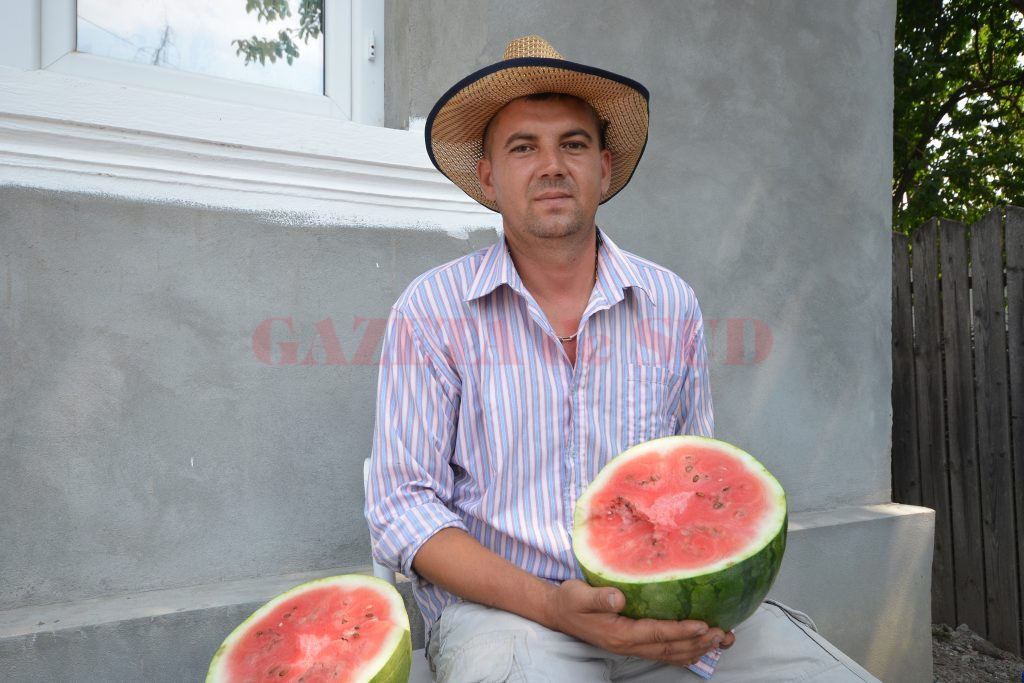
652 402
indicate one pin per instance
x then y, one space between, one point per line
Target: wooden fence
958 412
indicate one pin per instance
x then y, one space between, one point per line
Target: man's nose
552 162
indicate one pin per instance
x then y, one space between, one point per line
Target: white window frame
80 122
353 83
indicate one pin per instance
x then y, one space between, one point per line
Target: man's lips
545 196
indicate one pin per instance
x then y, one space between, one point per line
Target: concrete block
862 573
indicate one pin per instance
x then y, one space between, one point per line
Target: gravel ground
961 656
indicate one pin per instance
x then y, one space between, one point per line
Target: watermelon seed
718 505
689 468
724 489
700 494
696 478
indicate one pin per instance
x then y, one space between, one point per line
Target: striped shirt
483 424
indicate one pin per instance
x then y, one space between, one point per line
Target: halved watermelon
341 628
686 527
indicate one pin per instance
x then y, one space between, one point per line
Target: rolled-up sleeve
411 480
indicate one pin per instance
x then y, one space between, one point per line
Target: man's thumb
611 600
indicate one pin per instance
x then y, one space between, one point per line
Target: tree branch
966 90
927 135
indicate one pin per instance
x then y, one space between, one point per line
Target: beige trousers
471 643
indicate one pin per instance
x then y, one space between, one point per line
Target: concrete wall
146 444
160 479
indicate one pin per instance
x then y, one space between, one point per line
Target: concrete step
156 636
861 572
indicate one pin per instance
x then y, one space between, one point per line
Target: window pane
203 36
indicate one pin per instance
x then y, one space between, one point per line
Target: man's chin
556 231
553 226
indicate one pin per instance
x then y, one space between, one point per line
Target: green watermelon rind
723 595
725 598
397 668
393 668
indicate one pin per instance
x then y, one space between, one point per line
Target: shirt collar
615 272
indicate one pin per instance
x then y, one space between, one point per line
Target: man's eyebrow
578 132
523 136
519 136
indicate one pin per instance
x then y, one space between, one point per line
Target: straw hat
455 127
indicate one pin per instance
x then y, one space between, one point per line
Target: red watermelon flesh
713 510
345 628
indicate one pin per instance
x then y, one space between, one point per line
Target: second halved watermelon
350 629
686 527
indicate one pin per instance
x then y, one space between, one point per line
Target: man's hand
592 615
457 562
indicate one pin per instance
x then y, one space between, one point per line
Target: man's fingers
656 631
606 600
679 653
611 600
676 642
595 599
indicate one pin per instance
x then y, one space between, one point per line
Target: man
509 377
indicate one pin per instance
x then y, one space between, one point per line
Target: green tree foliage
311 25
958 121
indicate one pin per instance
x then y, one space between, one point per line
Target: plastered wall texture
145 443
764 184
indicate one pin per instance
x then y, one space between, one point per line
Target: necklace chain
569 338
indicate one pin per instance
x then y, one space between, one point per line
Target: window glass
281 40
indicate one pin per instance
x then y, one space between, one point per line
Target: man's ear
606 170
483 174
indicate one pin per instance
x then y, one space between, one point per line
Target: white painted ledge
72 134
853 514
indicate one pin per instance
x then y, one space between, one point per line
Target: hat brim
455 127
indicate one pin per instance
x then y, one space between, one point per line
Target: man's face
544 167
